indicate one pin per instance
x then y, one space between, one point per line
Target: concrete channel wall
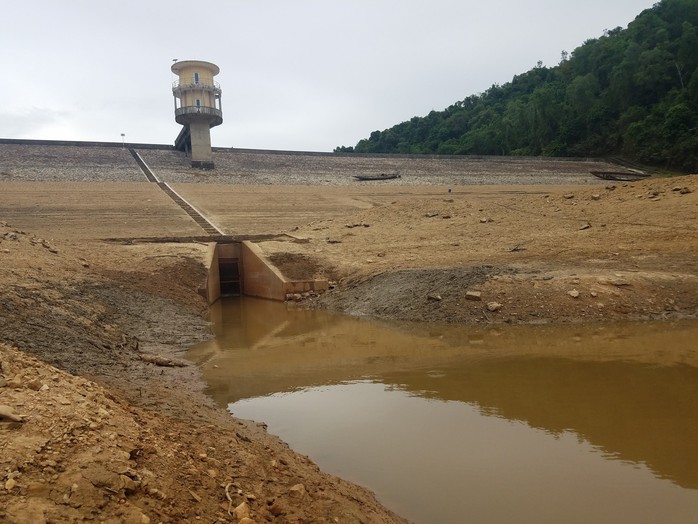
258 277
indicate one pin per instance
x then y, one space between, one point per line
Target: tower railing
178 86
185 112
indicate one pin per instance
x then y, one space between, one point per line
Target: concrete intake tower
197 99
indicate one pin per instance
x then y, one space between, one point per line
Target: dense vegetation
632 93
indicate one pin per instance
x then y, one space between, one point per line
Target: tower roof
177 66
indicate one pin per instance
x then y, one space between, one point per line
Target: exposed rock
297 492
585 226
242 511
573 293
434 296
159 360
7 413
617 282
494 306
473 295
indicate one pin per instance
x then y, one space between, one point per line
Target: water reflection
537 424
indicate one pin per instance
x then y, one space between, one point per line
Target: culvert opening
242 268
229 270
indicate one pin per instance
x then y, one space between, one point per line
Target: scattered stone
159 360
246 520
434 297
445 216
196 497
473 295
585 226
48 246
63 401
129 484
83 262
618 282
298 491
34 385
277 509
573 293
7 414
10 484
568 196
685 191
242 511
154 492
333 241
494 306
431 215
596 196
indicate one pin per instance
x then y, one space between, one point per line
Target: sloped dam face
451 424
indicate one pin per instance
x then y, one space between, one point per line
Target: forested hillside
631 92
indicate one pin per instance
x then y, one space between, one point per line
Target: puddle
452 424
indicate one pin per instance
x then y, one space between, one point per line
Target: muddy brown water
455 424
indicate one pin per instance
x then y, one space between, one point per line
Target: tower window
196 78
198 102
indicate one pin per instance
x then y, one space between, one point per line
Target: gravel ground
73 163
244 167
63 163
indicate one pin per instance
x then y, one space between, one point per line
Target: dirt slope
112 437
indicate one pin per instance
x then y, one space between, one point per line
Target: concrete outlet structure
241 268
197 99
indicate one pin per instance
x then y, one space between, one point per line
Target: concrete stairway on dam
190 210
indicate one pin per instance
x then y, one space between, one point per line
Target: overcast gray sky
296 74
